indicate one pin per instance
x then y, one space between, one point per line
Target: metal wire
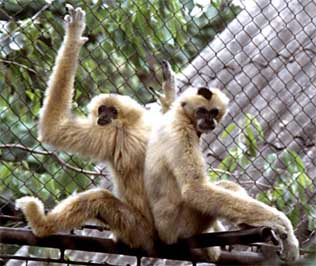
261 53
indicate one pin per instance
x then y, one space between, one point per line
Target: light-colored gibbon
182 200
116 131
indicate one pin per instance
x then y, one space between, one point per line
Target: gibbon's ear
205 92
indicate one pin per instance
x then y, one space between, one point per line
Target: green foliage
245 146
292 185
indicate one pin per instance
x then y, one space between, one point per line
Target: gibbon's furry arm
57 126
182 200
116 131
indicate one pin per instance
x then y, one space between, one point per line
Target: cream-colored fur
122 143
182 200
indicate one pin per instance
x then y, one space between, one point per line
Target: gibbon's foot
33 210
284 230
166 70
289 247
210 254
213 253
75 23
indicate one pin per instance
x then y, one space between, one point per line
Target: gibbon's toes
290 250
83 40
166 70
290 254
213 253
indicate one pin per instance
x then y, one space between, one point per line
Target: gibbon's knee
128 224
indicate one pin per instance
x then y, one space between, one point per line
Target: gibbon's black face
206 119
206 116
106 114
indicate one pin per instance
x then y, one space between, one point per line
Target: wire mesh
261 53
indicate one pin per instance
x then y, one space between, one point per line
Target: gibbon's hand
169 87
166 70
289 247
75 23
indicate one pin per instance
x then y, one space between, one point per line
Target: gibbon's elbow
45 136
50 125
49 132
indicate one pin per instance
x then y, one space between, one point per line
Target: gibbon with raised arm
182 201
116 131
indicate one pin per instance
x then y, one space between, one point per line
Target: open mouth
102 121
206 127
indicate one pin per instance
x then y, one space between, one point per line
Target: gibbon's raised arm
59 93
57 125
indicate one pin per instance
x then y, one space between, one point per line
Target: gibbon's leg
179 221
241 209
127 224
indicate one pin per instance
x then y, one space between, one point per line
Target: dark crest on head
205 92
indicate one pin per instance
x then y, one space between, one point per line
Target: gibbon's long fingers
129 226
166 70
169 86
161 98
70 9
153 92
67 19
74 22
240 209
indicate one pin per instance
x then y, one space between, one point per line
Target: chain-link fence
261 53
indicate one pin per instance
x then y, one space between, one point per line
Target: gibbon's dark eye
200 112
102 109
214 112
113 110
